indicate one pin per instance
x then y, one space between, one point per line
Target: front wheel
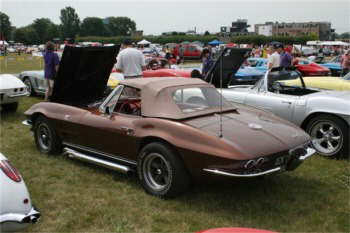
29 85
161 172
46 137
330 136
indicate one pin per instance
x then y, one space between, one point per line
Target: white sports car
16 210
11 89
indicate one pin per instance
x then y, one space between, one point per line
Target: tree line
43 29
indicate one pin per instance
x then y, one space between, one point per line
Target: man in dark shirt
51 61
286 58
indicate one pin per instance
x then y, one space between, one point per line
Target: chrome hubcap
327 138
28 84
156 171
44 136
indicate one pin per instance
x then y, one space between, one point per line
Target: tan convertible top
157 95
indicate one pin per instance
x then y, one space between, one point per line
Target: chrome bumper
19 95
310 152
32 217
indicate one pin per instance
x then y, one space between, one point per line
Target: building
322 30
237 28
138 33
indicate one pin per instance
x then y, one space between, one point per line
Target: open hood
227 64
83 74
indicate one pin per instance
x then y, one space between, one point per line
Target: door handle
286 102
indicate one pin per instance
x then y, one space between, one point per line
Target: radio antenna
221 57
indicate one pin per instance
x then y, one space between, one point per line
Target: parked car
246 75
11 90
323 114
324 82
17 211
36 84
190 50
308 68
333 65
167 129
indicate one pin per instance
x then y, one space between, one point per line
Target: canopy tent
215 42
337 43
2 42
313 42
143 42
329 43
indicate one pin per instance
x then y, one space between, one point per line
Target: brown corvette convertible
170 131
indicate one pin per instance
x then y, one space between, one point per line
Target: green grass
78 197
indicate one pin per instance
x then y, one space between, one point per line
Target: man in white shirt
274 60
130 61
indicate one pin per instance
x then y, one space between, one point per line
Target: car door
279 104
111 132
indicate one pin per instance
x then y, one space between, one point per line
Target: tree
120 26
207 33
42 27
5 26
69 23
345 35
92 26
26 35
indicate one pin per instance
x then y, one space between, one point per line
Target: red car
191 51
166 73
308 68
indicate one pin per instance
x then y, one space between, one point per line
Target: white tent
2 42
313 42
143 42
338 43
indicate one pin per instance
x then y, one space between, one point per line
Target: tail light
10 171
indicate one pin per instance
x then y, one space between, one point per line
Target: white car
11 89
16 210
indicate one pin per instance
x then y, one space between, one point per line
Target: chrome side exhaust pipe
97 161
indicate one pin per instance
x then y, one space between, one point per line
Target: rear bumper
291 165
32 217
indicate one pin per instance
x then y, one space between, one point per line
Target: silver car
324 114
35 81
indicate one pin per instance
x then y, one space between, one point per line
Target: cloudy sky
154 17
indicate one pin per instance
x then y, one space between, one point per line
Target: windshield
195 99
347 77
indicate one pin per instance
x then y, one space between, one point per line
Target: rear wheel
12 107
330 136
161 172
46 137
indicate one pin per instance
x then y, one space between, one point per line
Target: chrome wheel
156 171
327 137
29 85
44 137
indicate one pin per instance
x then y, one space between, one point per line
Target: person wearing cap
274 59
130 61
345 63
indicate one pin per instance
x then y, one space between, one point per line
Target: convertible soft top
157 96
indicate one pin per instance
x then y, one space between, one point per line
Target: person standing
181 53
130 61
274 60
286 58
345 63
207 61
51 61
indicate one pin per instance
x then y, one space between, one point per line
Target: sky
155 17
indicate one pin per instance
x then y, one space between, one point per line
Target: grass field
77 197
